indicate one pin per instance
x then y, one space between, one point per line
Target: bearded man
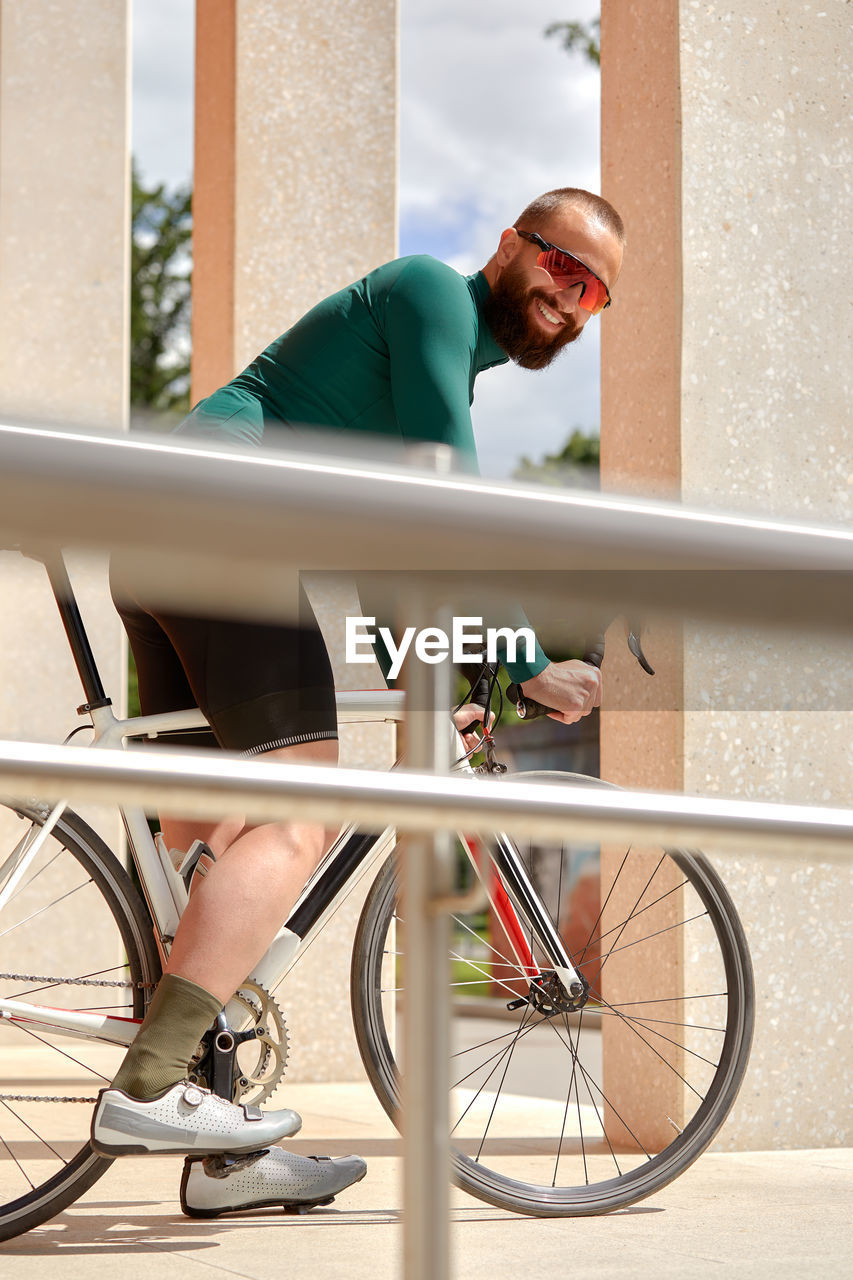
396 355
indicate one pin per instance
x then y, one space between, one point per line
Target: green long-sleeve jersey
395 354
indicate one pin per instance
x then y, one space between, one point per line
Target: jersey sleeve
430 328
431 331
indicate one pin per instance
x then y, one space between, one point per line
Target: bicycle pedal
222 1166
305 1206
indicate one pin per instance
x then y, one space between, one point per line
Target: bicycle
547 1113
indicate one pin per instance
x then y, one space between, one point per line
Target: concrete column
295 196
64 268
296 166
726 378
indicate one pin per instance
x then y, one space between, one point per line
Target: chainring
262 1060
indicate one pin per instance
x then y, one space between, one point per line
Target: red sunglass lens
566 271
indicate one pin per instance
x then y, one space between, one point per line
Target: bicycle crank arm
66 1022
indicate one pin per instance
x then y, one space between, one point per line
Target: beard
506 312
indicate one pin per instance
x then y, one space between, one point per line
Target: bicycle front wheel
557 1113
75 899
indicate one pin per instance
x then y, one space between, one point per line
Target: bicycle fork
556 986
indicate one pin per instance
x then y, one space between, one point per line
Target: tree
161 267
575 465
579 37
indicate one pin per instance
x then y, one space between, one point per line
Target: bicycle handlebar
528 708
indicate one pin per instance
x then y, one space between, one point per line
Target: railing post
427 873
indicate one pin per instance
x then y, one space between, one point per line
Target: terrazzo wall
64 252
766 428
757 135
295 196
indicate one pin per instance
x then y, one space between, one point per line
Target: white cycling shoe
274 1178
185 1118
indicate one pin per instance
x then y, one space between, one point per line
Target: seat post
81 650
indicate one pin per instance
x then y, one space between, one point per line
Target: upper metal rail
207 783
166 502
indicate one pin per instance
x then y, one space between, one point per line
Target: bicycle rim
558 1114
75 914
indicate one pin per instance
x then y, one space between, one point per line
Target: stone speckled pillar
726 380
64 276
295 197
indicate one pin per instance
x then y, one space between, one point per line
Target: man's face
530 318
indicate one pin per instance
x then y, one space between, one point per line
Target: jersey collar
488 352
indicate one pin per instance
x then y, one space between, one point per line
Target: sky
492 113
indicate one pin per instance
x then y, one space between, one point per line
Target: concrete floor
757 1214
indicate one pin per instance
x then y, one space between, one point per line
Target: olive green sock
178 1017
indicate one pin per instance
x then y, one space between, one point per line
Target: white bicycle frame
163 887
166 893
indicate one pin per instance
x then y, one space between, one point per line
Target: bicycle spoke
510 1050
47 907
640 897
677 1043
56 1049
572 1083
603 906
629 1023
607 1101
666 1022
680 924
486 943
18 1163
26 883
632 1004
499 1056
42 1140
635 915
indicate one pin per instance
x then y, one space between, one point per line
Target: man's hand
468 723
572 688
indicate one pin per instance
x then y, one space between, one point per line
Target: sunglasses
566 270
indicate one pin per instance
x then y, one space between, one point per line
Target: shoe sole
275 1202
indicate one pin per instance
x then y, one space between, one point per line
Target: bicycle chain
76 982
41 1097
62 982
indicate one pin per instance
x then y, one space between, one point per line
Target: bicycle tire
75 887
616 1159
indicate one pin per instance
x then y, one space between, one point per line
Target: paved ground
766 1214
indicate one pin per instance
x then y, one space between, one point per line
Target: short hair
553 201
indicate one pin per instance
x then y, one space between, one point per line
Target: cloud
492 114
163 72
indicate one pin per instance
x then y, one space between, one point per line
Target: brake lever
637 650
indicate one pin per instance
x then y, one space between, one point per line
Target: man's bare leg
229 922
242 902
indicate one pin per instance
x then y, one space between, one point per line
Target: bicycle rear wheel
562 1114
74 898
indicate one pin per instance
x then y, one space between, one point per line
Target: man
394 354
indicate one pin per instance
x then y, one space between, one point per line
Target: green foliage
579 37
576 463
160 297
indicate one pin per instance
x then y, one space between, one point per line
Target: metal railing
151 497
